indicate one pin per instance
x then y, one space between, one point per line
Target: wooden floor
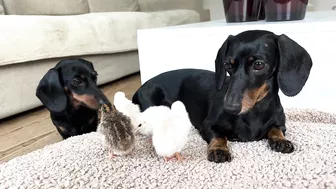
33 130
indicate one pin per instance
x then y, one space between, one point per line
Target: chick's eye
227 66
258 65
76 81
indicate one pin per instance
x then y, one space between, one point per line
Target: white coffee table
196 46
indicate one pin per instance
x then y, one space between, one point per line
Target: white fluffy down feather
170 137
150 118
127 107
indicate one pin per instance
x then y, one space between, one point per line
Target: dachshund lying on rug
244 106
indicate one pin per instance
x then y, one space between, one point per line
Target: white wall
217 10
323 4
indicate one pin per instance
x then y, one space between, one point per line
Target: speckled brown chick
117 131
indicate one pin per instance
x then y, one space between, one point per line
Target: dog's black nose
232 108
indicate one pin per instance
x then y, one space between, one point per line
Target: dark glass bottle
282 10
242 10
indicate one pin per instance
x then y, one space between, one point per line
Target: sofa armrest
205 15
2 9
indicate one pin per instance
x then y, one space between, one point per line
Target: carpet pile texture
82 162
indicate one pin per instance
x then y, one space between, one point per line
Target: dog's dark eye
258 65
140 125
227 66
76 81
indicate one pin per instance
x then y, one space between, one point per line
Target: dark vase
242 10
262 12
284 10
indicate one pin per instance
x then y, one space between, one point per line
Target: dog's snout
232 108
232 103
102 99
105 102
101 102
234 95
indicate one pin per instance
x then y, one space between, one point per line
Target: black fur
60 90
215 101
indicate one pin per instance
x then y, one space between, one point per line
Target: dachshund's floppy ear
294 66
87 62
91 65
220 72
51 92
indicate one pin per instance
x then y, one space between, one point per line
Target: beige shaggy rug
81 162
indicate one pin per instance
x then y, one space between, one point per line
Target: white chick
127 107
170 137
151 117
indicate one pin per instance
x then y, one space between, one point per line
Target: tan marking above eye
82 76
232 61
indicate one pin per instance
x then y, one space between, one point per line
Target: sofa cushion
46 7
113 6
28 38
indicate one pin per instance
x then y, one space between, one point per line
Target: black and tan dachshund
243 105
70 92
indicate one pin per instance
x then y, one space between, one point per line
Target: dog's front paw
281 145
219 155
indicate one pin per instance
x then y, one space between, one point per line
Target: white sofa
36 34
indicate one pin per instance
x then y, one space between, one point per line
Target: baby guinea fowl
117 131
